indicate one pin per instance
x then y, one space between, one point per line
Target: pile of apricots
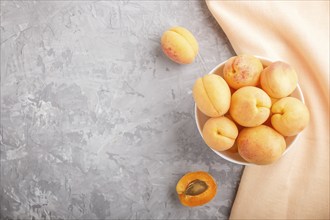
249 107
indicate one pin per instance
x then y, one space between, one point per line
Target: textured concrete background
96 123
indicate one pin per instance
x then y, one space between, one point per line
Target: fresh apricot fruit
179 45
250 106
290 116
212 95
278 80
220 133
196 188
260 145
242 70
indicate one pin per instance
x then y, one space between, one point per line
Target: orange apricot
179 45
196 188
242 70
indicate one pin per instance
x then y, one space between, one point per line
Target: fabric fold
297 32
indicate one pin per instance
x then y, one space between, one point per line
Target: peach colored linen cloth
296 186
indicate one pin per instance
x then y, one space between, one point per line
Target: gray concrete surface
96 123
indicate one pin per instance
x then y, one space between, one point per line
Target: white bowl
235 157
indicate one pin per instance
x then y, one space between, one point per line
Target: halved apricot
196 188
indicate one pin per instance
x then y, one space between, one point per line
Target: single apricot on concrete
260 145
278 80
196 188
179 45
220 133
212 95
242 70
250 106
290 116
